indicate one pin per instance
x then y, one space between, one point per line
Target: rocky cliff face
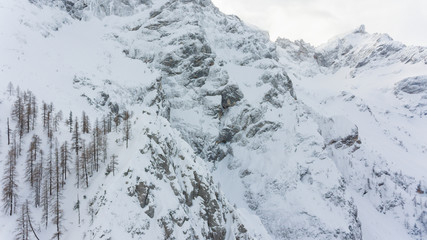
376 83
222 147
357 50
165 192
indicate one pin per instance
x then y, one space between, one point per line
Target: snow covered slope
161 188
223 144
378 84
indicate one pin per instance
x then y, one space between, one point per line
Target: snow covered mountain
205 129
377 84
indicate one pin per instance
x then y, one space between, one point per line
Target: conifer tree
116 122
22 229
10 89
38 180
65 159
104 126
49 170
34 112
77 170
126 127
104 148
27 110
9 131
77 207
109 122
56 120
25 227
45 202
9 182
32 158
56 209
84 165
33 152
18 115
30 110
85 123
113 163
76 139
97 144
50 122
69 122
44 115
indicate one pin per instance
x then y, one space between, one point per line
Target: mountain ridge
215 102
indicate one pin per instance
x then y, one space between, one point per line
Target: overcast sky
316 21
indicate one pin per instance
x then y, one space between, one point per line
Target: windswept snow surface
385 98
233 136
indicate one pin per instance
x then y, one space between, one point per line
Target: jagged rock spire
361 29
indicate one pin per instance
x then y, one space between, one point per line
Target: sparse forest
171 119
44 158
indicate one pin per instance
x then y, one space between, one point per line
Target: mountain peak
200 134
360 29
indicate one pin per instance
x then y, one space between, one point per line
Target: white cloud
316 21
